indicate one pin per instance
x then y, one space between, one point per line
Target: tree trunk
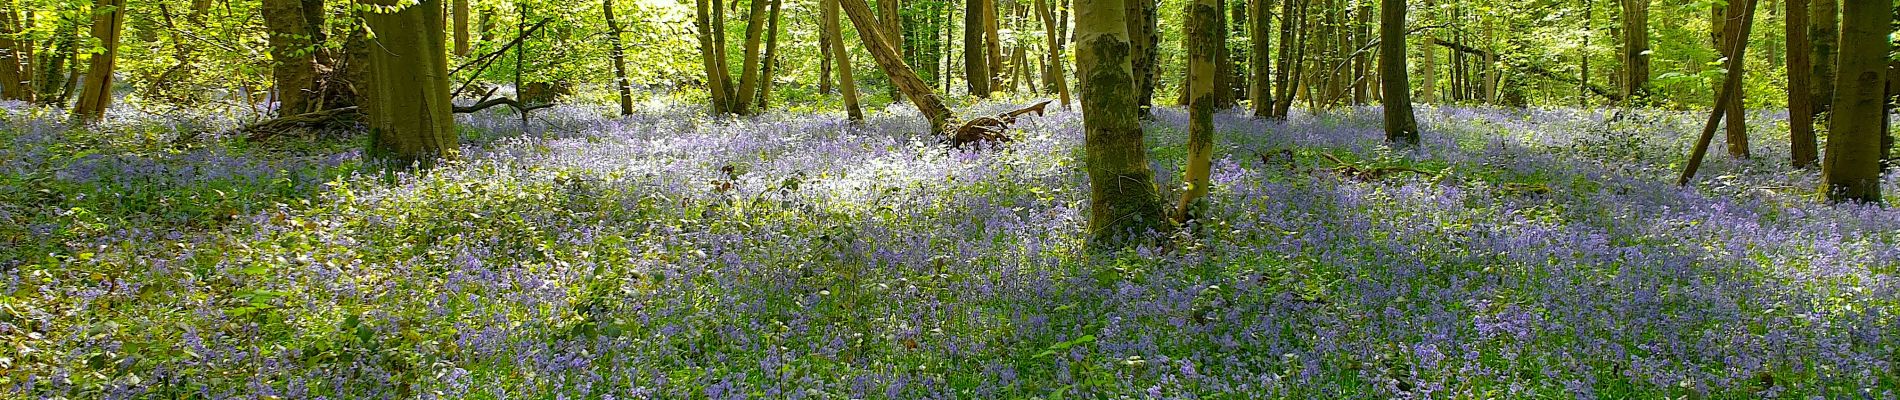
1223 62
1261 93
408 108
61 49
893 32
1145 51
621 84
749 62
824 57
1635 50
993 39
847 86
461 27
108 20
295 54
1736 135
893 65
1056 80
1291 19
1401 126
976 64
712 53
771 58
1123 201
1801 140
1855 131
16 56
1731 87
1204 41
1428 65
1825 30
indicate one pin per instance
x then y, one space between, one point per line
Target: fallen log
991 128
344 115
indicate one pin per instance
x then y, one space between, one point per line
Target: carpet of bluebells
1538 253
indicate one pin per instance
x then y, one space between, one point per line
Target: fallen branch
1366 174
273 127
499 101
991 128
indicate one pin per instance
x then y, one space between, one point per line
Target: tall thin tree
1801 141
108 21
1401 127
1203 41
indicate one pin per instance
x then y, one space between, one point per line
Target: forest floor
1537 253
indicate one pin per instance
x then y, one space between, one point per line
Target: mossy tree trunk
1204 42
407 107
1401 127
1857 128
108 21
293 55
1144 50
749 62
1123 200
712 52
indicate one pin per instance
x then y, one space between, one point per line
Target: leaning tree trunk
1401 126
108 20
621 83
893 65
407 107
1635 49
1801 142
976 64
847 86
1204 41
16 56
1123 200
294 54
1736 132
1734 36
1855 131
1055 61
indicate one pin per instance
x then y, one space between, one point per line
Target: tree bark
1801 141
893 65
1223 61
1401 126
1261 92
1056 78
461 27
1731 87
16 56
712 53
1825 31
749 62
408 107
976 64
893 32
621 84
1736 132
294 54
108 20
1292 16
1123 201
1145 51
1635 49
993 40
766 70
1204 41
847 85
1856 130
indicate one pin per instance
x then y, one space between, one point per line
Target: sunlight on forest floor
1537 253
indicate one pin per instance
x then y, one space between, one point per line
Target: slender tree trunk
976 64
461 27
408 105
993 39
1056 74
1428 64
893 32
1123 200
60 51
1824 29
712 53
1400 125
824 58
893 65
847 86
108 23
1261 92
1737 126
771 58
1223 62
621 83
749 64
1204 41
1801 141
16 67
1635 50
1289 61
1855 131
1731 86
1141 19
